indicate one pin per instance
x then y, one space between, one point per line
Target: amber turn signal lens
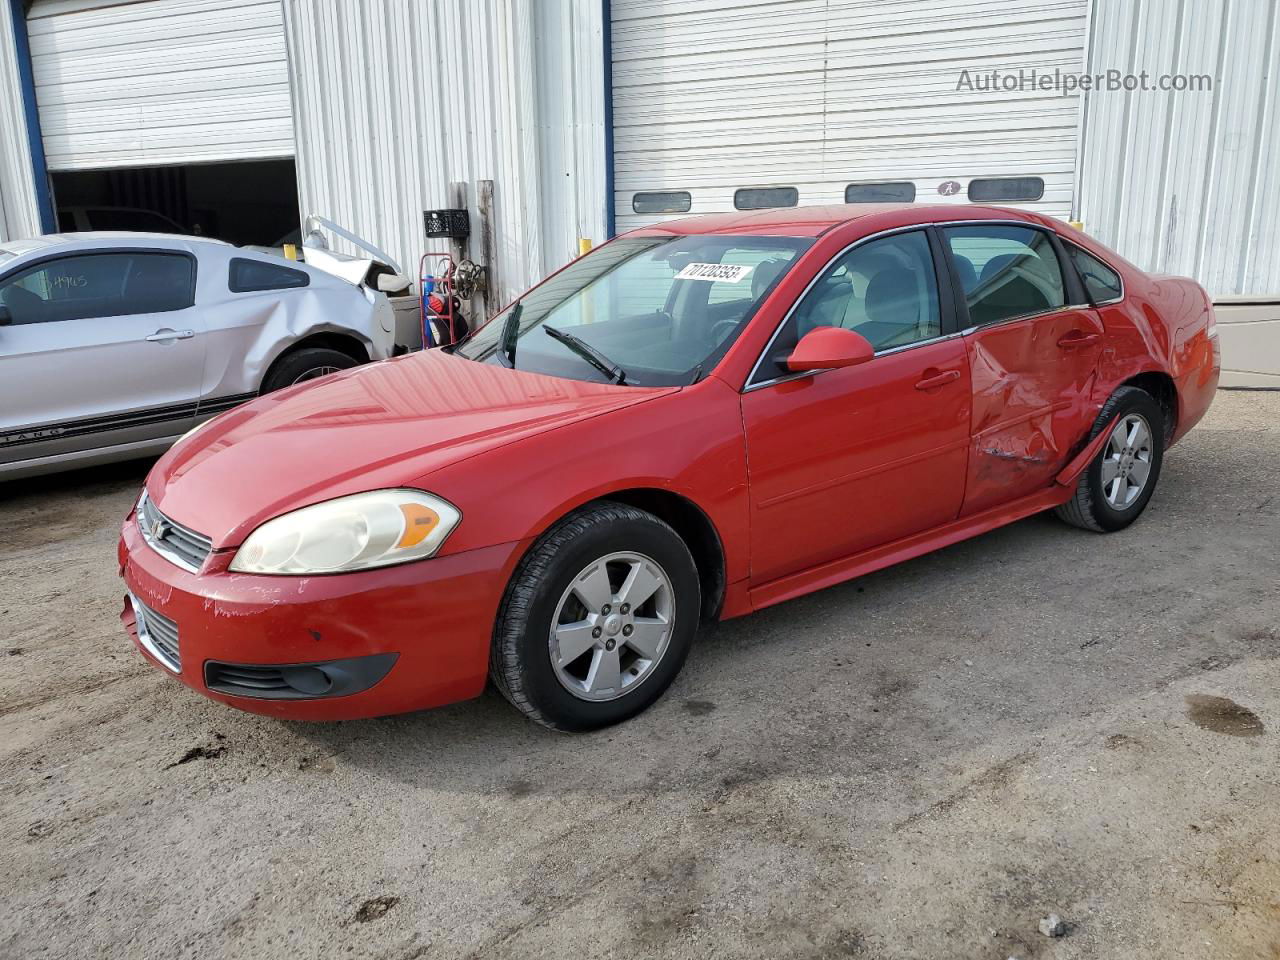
419 521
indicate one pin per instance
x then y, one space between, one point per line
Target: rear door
103 348
1033 358
844 460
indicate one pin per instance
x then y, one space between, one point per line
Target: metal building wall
713 95
395 99
1188 182
160 81
18 214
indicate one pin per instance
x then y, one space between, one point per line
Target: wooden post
458 200
492 295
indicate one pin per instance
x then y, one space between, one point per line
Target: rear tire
569 651
305 364
1117 486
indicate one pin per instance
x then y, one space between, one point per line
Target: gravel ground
921 763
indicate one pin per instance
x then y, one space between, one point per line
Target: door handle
937 379
1078 338
163 334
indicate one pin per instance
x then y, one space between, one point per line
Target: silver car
112 345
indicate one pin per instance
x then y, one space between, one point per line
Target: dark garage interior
246 202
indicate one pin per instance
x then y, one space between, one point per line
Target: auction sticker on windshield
726 272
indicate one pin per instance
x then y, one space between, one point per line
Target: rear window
1100 281
902 192
253 276
762 198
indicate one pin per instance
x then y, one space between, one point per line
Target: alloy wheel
612 626
1126 464
315 372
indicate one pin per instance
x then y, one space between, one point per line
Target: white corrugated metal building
597 115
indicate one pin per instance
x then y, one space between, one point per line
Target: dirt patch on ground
1221 715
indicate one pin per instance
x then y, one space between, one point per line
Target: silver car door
101 349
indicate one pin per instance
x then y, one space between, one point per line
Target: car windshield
643 310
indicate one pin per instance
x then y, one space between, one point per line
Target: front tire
597 620
305 364
1117 486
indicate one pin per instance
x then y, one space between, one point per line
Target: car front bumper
391 640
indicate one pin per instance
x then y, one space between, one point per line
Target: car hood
381 425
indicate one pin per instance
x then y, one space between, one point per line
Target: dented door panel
1033 402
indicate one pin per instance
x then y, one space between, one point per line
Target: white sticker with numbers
713 272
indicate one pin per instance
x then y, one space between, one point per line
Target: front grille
158 634
176 543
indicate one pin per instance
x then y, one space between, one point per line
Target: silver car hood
351 269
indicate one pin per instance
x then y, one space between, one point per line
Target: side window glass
1006 271
885 290
252 276
1100 281
100 285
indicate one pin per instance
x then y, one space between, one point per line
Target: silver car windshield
641 311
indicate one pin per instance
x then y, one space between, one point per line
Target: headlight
351 533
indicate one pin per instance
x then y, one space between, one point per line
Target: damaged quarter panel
246 335
1163 326
248 331
1166 328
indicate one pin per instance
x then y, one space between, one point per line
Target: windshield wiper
511 333
589 354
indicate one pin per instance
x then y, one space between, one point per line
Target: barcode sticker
713 272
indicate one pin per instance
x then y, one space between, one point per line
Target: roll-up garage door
160 81
714 96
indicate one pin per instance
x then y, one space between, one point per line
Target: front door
100 349
844 460
1033 359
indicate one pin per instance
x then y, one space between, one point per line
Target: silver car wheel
612 626
313 373
1127 462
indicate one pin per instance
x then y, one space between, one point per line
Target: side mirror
390 283
827 348
6 317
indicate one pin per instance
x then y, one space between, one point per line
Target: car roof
817 220
91 238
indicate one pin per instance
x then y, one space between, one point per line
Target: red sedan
690 423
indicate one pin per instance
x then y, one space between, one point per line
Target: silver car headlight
358 532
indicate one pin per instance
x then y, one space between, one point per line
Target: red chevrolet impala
692 422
